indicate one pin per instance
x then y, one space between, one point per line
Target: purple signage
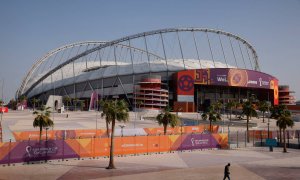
27 151
234 77
198 141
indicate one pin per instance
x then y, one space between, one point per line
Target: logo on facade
40 151
186 83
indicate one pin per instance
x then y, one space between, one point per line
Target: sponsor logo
40 151
132 145
186 83
222 78
196 142
263 83
252 82
260 82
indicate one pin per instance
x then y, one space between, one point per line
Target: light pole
2 111
269 119
122 126
2 102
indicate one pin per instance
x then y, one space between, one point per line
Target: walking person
226 172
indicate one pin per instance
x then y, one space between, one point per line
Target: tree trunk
210 129
111 155
41 129
248 140
263 117
230 114
33 106
284 144
165 129
280 138
107 129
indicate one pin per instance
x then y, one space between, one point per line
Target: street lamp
122 126
269 104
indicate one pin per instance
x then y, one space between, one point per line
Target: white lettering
132 145
196 142
222 78
252 82
34 151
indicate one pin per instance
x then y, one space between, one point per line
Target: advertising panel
3 109
234 77
185 81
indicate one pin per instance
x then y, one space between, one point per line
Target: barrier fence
89 133
238 139
33 150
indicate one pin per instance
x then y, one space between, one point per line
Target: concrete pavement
250 163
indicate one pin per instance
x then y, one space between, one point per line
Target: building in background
186 68
286 95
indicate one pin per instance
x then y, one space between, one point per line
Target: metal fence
238 139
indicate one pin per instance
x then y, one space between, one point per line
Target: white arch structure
173 53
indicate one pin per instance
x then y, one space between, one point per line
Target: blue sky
31 28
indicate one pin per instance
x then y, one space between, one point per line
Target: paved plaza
16 121
250 163
246 163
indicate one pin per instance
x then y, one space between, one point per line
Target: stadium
187 68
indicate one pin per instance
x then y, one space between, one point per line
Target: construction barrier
33 150
89 133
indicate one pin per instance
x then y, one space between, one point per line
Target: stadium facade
188 68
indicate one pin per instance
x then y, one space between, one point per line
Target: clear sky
31 28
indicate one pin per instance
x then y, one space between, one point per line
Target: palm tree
22 98
67 100
263 107
75 101
165 118
114 110
276 112
12 104
283 122
249 111
229 106
212 115
218 106
34 102
139 103
82 105
42 119
102 103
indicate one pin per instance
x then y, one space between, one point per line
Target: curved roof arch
116 42
62 48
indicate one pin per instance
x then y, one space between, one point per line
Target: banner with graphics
27 151
185 86
238 78
90 133
234 77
